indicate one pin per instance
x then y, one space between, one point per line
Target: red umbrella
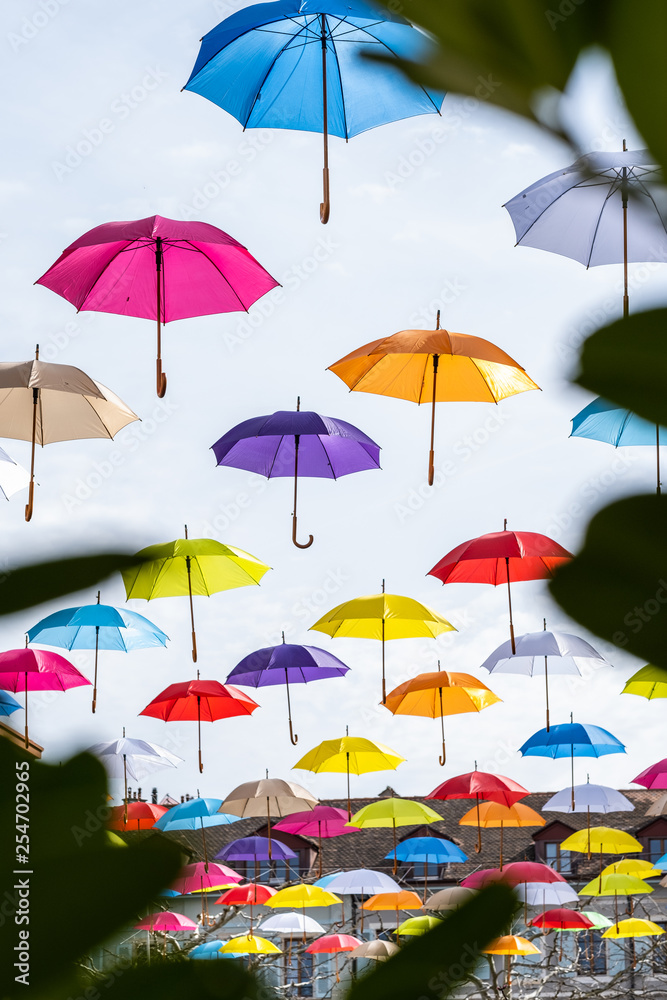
204 701
562 919
241 895
37 670
333 944
500 556
480 785
135 816
513 874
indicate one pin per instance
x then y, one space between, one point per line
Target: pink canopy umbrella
322 821
159 269
333 944
199 878
167 922
37 670
654 776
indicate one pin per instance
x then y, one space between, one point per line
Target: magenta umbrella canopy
166 921
37 670
159 269
654 776
320 822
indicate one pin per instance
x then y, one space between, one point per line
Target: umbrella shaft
431 459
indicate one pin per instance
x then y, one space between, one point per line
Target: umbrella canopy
649 682
569 654
378 950
268 797
254 849
545 894
42 402
658 807
195 814
511 944
8 705
205 701
13 477
361 882
562 919
382 616
632 866
209 950
401 900
492 814
406 366
332 943
157 268
286 924
499 557
598 920
167 922
240 895
616 884
603 839
588 798
321 822
449 899
415 926
250 944
480 785
97 626
297 443
196 878
654 776
430 850
133 758
302 895
300 65
192 566
516 873
392 813
37 670
438 694
634 927
135 816
286 664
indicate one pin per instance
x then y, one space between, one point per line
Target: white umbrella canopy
589 798
545 893
134 758
286 924
13 477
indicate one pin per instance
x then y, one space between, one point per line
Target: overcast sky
97 129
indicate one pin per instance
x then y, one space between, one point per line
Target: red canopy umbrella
37 670
480 785
500 556
135 816
241 895
333 944
562 919
512 874
204 701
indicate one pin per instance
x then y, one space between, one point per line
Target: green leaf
223 979
626 362
27 586
617 585
432 965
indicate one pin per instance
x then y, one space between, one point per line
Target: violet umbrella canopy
37 670
297 443
254 849
286 664
157 268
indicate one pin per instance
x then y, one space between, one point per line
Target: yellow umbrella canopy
649 682
249 944
632 866
633 927
440 693
384 617
604 839
302 895
494 814
616 884
393 813
407 364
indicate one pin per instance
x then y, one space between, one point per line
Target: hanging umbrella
440 693
196 814
632 866
254 850
8 705
382 616
287 924
351 754
333 944
41 402
286 664
607 422
268 797
602 839
297 443
97 626
616 884
654 776
568 655
492 814
573 739
588 798
132 757
598 920
513 874
659 807
250 944
300 65
480 785
167 922
634 927
303 895
242 895
489 559
37 670
321 822
415 926
649 682
404 899
135 816
202 879
195 566
448 899
510 945
361 882
13 477
205 701
209 950
378 950
427 851
406 366
393 813
157 268
545 894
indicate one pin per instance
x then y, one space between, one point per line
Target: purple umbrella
285 664
255 849
293 443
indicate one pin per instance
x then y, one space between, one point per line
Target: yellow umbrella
633 927
511 944
406 366
440 693
649 682
353 754
393 813
249 944
604 839
302 895
632 866
382 616
493 814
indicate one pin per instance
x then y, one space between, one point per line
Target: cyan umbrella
97 626
299 64
607 422
430 850
196 814
7 703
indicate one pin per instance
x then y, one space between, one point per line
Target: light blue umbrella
7 703
210 949
97 626
607 422
430 850
195 814
299 64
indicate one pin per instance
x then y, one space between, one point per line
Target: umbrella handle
442 760
294 739
326 204
161 379
29 505
194 647
300 545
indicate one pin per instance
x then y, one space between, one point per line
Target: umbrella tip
383 586
283 634
437 320
123 732
36 352
186 530
298 403
544 624
625 148
505 524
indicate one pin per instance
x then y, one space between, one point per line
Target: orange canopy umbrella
401 900
492 814
406 366
438 694
509 945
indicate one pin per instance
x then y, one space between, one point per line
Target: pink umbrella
197 878
333 944
322 821
654 776
167 922
37 670
159 269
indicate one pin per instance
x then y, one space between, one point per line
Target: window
422 871
299 970
274 871
656 848
592 958
560 861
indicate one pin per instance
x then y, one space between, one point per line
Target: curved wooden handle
294 739
31 497
161 380
443 759
194 647
325 205
300 545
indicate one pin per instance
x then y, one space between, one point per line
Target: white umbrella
545 893
13 477
287 924
361 882
571 653
133 757
42 402
589 798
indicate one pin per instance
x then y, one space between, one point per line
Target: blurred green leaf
28 586
617 585
431 965
626 362
170 980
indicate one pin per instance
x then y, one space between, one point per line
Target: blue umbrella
7 703
572 739
97 626
210 949
298 64
195 814
605 421
430 850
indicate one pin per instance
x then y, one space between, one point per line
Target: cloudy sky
97 129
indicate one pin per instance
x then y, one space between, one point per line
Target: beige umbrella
268 797
41 402
378 949
659 807
449 899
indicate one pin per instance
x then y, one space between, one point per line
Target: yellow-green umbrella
249 944
382 616
393 813
649 682
192 566
615 884
417 925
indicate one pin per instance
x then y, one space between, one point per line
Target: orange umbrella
492 814
509 945
438 694
402 900
406 366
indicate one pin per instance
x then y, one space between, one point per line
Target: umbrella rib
544 210
109 434
396 56
270 69
493 398
223 276
326 455
128 246
340 81
612 190
275 454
